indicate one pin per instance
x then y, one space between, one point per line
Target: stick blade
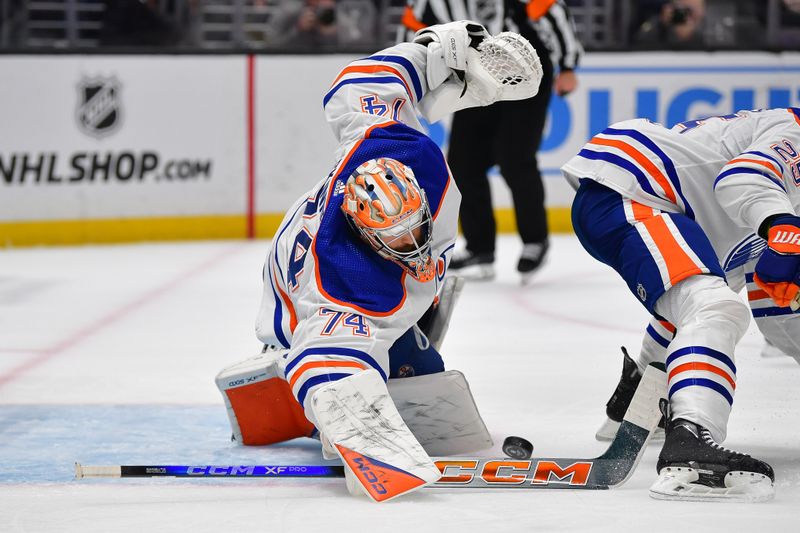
637 427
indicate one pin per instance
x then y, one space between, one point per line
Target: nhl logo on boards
641 292
99 111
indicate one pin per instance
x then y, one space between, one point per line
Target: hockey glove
778 270
449 42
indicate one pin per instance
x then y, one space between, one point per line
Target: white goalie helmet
387 208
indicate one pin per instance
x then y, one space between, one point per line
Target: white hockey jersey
327 295
728 173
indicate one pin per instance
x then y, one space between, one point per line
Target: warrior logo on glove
387 208
778 270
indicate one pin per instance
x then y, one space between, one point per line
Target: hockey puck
517 448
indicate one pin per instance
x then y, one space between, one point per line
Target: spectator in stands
679 25
787 35
790 21
137 23
303 23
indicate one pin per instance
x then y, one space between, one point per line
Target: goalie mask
385 205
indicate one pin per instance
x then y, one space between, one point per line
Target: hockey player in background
688 216
358 261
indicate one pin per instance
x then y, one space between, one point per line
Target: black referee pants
506 134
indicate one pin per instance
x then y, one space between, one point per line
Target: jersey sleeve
753 185
386 86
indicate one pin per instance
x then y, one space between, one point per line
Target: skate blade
476 273
680 484
608 431
526 277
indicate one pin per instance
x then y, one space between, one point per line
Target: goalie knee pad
261 407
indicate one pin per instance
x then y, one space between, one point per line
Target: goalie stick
609 470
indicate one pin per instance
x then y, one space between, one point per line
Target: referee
508 133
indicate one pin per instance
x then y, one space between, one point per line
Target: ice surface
108 356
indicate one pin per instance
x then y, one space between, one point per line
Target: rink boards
120 148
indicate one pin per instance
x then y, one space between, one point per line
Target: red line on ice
76 338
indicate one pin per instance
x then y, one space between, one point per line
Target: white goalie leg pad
261 407
679 483
358 417
256 369
441 413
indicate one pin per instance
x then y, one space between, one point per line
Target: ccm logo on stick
513 472
223 470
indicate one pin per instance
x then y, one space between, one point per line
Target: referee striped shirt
547 24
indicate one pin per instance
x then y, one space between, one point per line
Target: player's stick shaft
283 471
609 470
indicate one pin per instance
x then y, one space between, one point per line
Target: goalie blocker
438 408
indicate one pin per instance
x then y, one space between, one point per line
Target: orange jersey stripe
770 166
536 9
322 364
667 326
288 302
641 212
640 158
686 367
371 69
679 265
796 118
757 295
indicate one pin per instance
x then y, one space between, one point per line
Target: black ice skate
531 259
692 466
472 266
621 398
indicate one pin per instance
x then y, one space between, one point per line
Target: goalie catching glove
466 67
778 270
